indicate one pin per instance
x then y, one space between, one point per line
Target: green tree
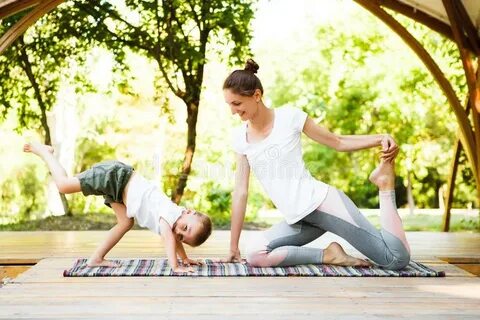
358 84
175 35
32 70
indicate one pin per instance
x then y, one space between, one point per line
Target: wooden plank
472 268
11 271
141 243
43 293
249 287
18 261
224 306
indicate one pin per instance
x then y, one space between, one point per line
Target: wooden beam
453 168
472 81
466 132
462 27
451 185
476 125
29 19
9 8
453 175
419 16
467 24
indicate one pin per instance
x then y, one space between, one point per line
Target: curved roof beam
29 19
432 14
10 7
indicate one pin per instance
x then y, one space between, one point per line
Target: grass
427 222
75 222
105 221
99 221
421 222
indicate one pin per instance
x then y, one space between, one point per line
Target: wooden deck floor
43 293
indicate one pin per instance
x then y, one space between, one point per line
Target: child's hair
244 82
205 230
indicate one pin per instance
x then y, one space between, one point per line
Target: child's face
187 227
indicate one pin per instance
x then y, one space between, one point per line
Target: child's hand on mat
188 261
180 269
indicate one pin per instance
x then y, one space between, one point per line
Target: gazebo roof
432 8
435 9
431 13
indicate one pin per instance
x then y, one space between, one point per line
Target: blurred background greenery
121 87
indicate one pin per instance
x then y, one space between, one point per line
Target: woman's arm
239 205
347 143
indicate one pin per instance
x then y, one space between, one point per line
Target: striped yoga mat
210 268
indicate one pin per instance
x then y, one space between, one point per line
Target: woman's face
246 107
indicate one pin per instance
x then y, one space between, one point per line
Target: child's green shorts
107 179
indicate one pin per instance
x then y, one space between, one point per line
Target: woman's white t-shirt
278 164
147 204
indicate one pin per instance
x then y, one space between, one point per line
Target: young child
131 196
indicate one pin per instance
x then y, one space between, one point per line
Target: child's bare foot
102 263
384 176
37 148
334 254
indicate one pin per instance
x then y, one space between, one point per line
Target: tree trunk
441 198
411 202
27 67
192 109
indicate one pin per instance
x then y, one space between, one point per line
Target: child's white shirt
277 162
146 203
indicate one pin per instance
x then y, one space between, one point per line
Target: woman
269 143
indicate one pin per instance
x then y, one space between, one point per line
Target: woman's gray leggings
383 248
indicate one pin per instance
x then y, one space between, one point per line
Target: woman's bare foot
384 176
102 263
334 254
37 148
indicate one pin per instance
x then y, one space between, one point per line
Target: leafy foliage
353 88
33 68
353 77
175 35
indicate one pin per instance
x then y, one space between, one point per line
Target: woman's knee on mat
400 255
403 259
399 263
257 258
399 259
264 258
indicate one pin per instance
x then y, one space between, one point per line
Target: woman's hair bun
251 66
